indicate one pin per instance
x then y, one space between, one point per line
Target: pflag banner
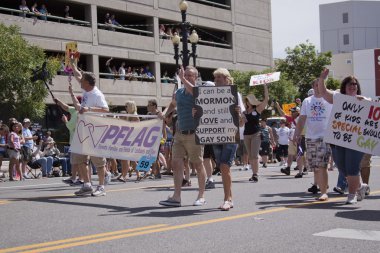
109 137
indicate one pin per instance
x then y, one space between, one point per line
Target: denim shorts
225 153
347 160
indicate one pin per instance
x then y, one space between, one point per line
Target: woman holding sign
252 136
347 160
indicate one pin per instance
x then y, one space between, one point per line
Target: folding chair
34 169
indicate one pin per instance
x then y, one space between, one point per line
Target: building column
94 24
157 67
95 67
233 41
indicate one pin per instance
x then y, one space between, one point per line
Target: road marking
81 238
170 228
351 234
31 185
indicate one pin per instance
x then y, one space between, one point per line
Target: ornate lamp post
185 30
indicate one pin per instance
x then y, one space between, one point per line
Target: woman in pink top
14 147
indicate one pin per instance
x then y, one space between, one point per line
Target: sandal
323 197
122 179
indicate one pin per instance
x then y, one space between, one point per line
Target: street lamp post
185 27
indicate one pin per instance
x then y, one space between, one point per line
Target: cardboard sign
71 49
216 119
114 138
264 78
286 108
354 124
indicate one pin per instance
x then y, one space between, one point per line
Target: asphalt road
274 215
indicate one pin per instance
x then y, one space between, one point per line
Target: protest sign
71 49
115 138
286 108
217 121
264 78
354 124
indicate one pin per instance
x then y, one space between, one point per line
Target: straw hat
253 100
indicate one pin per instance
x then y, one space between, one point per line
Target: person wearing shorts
184 139
315 113
283 143
267 139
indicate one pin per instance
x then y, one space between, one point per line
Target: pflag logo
318 109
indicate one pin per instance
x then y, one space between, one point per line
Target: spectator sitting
44 12
35 10
113 20
52 151
45 163
67 12
24 8
122 71
147 72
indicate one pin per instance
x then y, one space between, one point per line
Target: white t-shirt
283 135
317 112
94 98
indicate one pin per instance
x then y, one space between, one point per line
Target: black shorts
208 152
264 148
302 145
282 150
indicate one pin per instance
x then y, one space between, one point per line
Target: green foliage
18 59
332 84
302 65
283 91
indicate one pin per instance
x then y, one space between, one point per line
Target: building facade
349 26
235 34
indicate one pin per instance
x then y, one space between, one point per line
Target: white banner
116 138
217 120
264 78
354 124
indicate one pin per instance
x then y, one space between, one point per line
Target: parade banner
216 119
264 78
354 124
286 108
108 137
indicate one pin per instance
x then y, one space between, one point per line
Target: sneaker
299 175
68 181
296 168
186 182
85 190
286 171
226 206
313 189
108 178
265 165
351 199
158 176
210 185
368 191
338 190
246 167
216 171
76 183
199 202
100 191
361 192
170 202
254 178
323 197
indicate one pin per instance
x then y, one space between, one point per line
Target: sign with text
71 49
264 78
115 138
216 119
354 124
286 108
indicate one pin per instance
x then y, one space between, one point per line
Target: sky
294 22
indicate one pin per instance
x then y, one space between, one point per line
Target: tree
18 59
302 65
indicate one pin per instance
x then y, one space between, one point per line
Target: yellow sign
71 51
286 108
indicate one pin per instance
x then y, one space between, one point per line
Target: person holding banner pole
184 139
92 101
315 113
252 135
346 159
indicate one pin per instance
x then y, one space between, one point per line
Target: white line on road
351 234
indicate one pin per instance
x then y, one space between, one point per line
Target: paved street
274 215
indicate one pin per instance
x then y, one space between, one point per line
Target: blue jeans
347 160
342 181
65 163
225 153
46 165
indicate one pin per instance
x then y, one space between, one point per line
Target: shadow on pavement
360 215
178 213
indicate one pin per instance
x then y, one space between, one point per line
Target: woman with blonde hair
131 109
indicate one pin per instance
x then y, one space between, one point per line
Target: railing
128 78
224 6
47 16
125 29
215 44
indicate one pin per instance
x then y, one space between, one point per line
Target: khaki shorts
80 159
252 144
184 145
366 161
292 150
14 154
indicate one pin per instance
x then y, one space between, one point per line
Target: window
346 39
345 18
348 61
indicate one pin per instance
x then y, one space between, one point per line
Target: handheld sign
264 78
286 108
216 119
354 124
145 163
71 52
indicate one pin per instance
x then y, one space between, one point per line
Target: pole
185 50
194 53
176 56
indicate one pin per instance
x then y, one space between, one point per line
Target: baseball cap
295 109
26 120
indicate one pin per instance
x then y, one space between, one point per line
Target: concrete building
349 26
235 34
